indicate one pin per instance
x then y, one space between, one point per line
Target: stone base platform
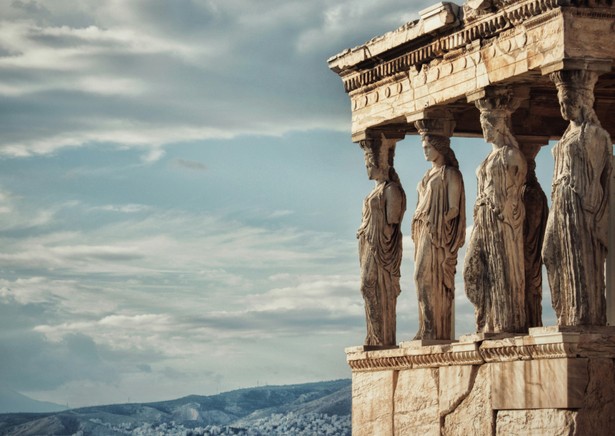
553 381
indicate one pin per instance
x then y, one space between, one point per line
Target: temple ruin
518 73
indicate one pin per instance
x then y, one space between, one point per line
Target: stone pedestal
554 381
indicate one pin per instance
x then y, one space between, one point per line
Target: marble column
576 238
536 212
380 239
494 268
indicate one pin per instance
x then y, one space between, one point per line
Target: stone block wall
550 382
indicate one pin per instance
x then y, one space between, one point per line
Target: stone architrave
380 242
576 238
438 230
494 271
536 212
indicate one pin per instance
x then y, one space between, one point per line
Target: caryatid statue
380 242
575 245
494 272
438 230
536 212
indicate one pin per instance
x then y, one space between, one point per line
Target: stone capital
383 137
600 66
393 133
493 98
434 121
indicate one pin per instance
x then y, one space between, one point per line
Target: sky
179 196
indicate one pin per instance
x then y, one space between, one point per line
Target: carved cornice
372 362
537 346
484 27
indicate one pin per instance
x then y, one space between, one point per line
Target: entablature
392 78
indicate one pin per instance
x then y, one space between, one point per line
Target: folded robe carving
438 231
575 243
494 272
380 243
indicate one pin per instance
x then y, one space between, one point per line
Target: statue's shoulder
598 132
514 156
392 186
394 190
450 172
597 141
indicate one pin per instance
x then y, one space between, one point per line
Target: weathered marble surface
539 384
576 237
455 384
438 231
597 417
541 422
372 402
534 384
473 415
380 242
416 408
494 271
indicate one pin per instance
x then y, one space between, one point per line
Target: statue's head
575 92
495 117
438 145
379 156
494 124
436 129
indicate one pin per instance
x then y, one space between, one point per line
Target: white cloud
335 294
150 74
123 208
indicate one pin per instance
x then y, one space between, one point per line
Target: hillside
14 402
313 408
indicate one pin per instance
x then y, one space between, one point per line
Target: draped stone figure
536 212
575 245
494 272
438 231
380 243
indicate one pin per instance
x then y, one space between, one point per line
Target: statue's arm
515 182
597 145
394 204
454 187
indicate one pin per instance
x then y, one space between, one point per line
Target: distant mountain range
321 408
11 401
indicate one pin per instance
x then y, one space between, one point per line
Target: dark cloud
143 367
20 317
30 362
31 7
